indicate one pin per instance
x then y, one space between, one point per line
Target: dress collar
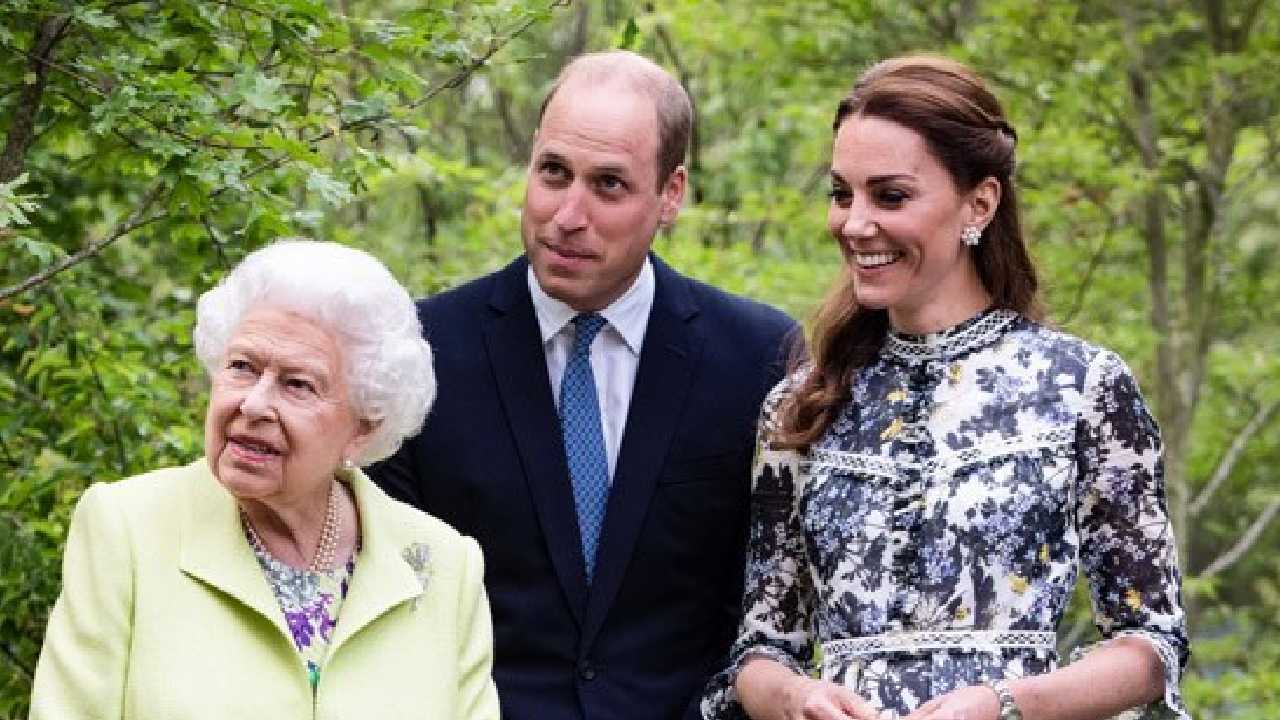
977 332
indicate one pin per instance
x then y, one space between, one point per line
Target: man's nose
572 213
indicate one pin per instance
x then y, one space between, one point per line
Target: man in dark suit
595 419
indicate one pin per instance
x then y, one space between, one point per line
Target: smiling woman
273 565
928 487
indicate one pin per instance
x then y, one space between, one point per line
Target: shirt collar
629 314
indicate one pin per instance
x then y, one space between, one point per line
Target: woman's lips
876 260
252 450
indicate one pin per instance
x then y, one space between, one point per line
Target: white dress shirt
615 352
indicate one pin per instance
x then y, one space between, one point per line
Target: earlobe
365 429
673 195
984 201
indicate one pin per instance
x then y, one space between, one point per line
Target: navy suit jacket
663 608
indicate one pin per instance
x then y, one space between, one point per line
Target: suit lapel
514 345
214 551
667 360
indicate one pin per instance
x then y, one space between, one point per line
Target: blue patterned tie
584 437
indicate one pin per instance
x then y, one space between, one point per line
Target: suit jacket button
586 670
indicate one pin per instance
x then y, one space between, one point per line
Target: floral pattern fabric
932 538
310 602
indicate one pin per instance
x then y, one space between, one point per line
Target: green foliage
171 139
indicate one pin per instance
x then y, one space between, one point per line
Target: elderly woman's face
279 420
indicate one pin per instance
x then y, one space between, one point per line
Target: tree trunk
22 128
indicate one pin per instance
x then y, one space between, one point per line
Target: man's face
592 205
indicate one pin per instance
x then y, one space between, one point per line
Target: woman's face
280 420
897 216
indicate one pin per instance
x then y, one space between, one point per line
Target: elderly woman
271 578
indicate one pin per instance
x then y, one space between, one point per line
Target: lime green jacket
165 613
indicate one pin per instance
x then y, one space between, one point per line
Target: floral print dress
931 539
310 602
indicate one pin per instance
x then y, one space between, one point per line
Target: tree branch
1095 260
15 661
22 128
163 127
1229 459
1246 541
8 454
135 220
68 315
517 138
452 82
695 134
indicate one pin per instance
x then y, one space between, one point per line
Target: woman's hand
770 691
977 702
809 699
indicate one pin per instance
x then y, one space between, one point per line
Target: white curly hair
351 293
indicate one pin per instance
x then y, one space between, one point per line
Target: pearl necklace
329 532
327 546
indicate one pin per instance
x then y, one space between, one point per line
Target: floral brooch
418 555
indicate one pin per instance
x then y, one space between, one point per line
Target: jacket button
586 670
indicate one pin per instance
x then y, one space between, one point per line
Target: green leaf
330 190
628 38
95 18
262 93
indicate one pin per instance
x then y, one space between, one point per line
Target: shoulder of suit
750 314
412 523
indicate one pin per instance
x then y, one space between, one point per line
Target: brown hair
964 127
671 103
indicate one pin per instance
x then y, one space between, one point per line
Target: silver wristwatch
1008 707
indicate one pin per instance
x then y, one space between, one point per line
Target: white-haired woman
271 578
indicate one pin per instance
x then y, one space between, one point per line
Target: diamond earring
971 235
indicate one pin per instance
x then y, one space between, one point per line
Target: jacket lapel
519 364
383 577
667 359
214 550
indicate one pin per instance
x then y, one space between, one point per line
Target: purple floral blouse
310 602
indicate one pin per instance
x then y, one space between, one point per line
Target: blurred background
148 145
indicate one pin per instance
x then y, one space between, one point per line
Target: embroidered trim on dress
923 641
947 345
839 461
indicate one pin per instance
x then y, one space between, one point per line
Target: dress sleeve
1127 547
84 662
477 696
778 591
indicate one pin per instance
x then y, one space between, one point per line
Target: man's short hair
671 103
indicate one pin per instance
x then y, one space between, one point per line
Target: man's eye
610 183
552 170
840 195
238 365
300 385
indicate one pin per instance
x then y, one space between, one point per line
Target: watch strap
1008 706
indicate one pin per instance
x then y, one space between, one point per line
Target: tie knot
588 326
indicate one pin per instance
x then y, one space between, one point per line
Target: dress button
586 670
